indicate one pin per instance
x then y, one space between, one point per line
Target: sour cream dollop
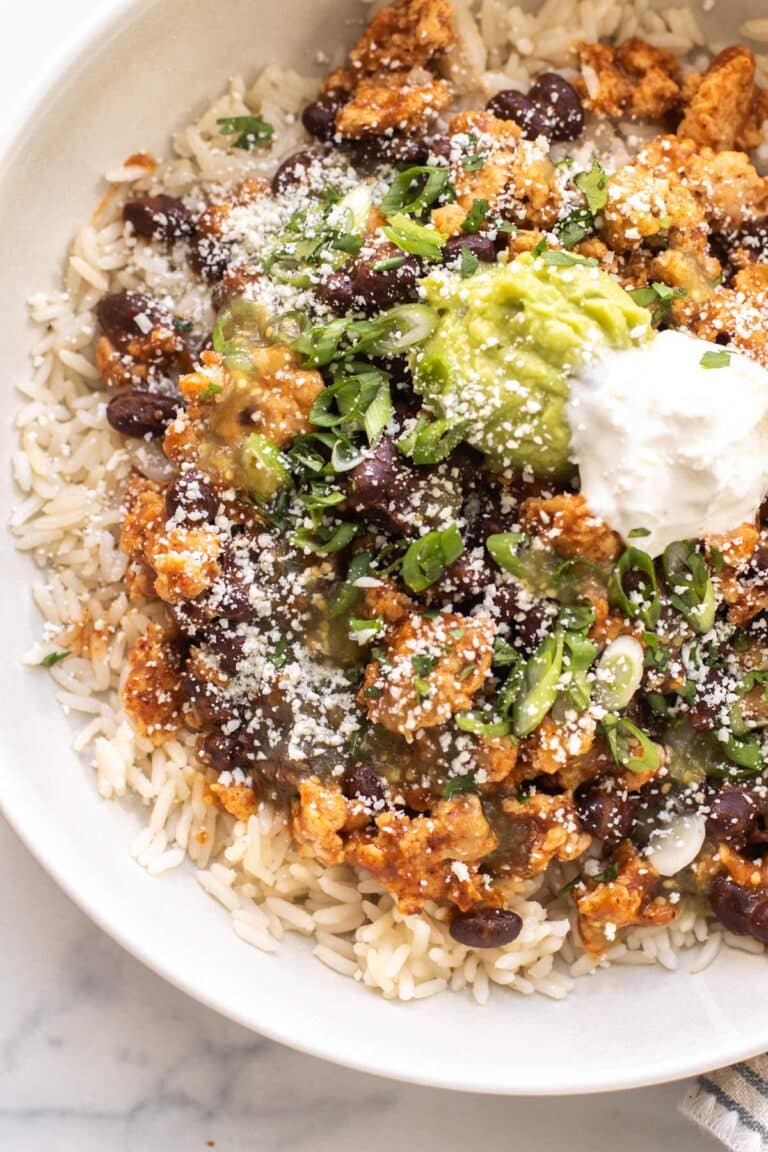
668 445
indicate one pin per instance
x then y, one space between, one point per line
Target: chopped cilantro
211 391
458 784
594 187
182 325
251 131
53 658
469 263
475 218
716 359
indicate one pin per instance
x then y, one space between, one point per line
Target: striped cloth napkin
732 1104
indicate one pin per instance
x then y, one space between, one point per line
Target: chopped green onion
363 629
347 594
539 687
641 599
692 592
264 467
540 247
279 654
619 673
326 540
429 442
636 533
388 265
594 187
414 189
478 724
403 328
475 218
416 239
251 131
427 558
745 754
623 736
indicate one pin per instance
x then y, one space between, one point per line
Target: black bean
293 170
733 904
377 289
732 814
162 216
319 117
486 927
396 149
217 751
560 106
210 703
758 920
604 815
140 414
226 644
210 257
513 105
440 147
383 485
337 291
117 313
362 782
190 494
480 246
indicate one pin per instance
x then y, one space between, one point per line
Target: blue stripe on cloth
722 1097
754 1079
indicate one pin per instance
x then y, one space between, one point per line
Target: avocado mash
507 341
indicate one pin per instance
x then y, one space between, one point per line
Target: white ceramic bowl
124 83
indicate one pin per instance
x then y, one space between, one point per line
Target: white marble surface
99 1055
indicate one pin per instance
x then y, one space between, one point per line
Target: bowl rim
62 64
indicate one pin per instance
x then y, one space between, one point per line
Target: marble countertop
97 1054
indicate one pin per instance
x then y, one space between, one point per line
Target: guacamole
507 341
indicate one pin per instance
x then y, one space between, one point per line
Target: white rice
69 470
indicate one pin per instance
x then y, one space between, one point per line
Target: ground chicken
554 748
184 561
517 178
631 79
720 103
566 524
431 669
237 799
495 758
545 828
392 103
627 899
385 82
742 581
403 36
430 857
152 693
319 815
738 316
651 204
383 601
